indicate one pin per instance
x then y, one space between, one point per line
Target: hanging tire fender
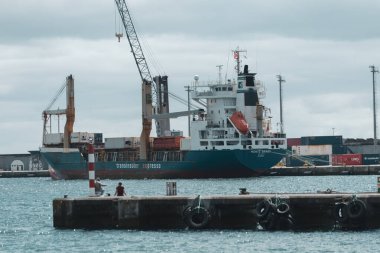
341 212
283 208
263 208
356 209
196 217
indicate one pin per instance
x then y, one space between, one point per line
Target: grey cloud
313 19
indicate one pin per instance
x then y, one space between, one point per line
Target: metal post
374 70
378 184
91 168
188 107
219 73
171 188
280 81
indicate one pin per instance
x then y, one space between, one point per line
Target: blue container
369 159
98 138
322 140
339 149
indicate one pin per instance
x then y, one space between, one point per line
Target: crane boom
159 102
134 42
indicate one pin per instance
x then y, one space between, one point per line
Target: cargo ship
230 137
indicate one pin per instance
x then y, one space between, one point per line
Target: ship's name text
137 166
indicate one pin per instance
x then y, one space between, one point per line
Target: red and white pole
91 168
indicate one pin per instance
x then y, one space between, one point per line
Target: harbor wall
324 210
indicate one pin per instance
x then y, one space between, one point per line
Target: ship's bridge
213 91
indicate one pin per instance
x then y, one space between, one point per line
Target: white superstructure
234 118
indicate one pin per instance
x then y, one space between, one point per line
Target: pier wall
326 210
324 170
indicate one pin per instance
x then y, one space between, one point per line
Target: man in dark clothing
120 190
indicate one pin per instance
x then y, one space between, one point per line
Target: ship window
229 143
204 143
265 142
203 134
246 142
229 88
224 88
257 142
250 81
217 143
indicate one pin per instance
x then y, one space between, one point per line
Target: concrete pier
324 170
321 211
38 173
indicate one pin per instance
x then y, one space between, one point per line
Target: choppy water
26 219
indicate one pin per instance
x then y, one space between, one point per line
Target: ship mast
237 52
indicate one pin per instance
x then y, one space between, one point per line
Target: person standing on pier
120 190
98 187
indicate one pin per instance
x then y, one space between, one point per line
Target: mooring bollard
91 168
378 184
171 188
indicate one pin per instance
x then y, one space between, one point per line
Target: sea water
26 223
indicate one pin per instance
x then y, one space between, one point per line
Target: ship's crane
69 112
154 101
155 93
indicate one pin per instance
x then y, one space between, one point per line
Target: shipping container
364 149
312 150
322 140
339 149
186 144
314 160
53 139
122 142
79 137
370 159
90 137
98 138
167 143
176 133
293 142
347 159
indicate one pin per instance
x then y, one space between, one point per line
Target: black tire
269 222
196 217
283 208
284 223
341 212
263 208
356 209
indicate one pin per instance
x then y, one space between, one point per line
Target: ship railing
203 93
165 156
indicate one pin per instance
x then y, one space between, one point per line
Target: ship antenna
374 71
220 73
237 52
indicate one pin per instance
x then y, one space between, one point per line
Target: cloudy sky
322 48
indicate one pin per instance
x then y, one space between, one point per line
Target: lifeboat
239 122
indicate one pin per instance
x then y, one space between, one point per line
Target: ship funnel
245 69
